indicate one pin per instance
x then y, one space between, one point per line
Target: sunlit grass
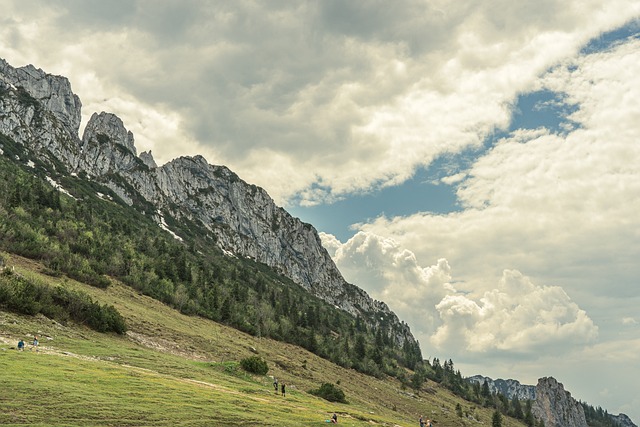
175 370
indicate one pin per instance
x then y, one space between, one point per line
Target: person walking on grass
283 389
20 345
35 343
275 385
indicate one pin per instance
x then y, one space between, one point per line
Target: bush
330 392
255 365
26 296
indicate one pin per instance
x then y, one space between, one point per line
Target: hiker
421 420
20 345
334 418
282 389
35 343
275 385
428 423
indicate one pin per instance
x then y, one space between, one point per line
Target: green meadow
175 370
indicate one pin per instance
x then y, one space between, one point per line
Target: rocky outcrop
508 388
622 420
107 147
41 112
552 403
148 160
53 92
555 406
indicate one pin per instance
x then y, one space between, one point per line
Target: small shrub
255 365
330 392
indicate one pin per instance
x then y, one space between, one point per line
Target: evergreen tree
485 392
360 348
516 408
496 419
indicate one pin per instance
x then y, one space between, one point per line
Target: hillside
172 369
190 234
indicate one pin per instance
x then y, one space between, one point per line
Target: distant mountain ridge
41 112
552 403
509 388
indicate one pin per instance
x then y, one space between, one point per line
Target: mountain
552 403
187 197
509 388
555 406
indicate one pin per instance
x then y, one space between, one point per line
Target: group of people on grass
283 387
424 423
34 344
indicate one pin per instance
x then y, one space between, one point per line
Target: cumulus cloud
515 317
392 274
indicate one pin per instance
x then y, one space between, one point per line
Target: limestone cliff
555 406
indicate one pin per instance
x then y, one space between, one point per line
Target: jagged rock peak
54 92
147 158
555 406
110 126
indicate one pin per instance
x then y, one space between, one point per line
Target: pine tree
496 420
517 408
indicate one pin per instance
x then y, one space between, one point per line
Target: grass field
175 370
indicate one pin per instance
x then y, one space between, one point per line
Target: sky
473 164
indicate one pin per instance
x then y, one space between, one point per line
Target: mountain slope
41 112
171 369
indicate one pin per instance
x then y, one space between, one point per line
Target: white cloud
515 317
556 207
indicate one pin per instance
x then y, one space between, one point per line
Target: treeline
447 376
26 296
92 240
598 417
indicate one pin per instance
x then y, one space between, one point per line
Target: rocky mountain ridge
509 388
40 111
551 402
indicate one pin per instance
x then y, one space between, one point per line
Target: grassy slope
174 370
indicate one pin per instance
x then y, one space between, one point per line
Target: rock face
555 406
623 420
552 403
41 112
509 388
54 92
